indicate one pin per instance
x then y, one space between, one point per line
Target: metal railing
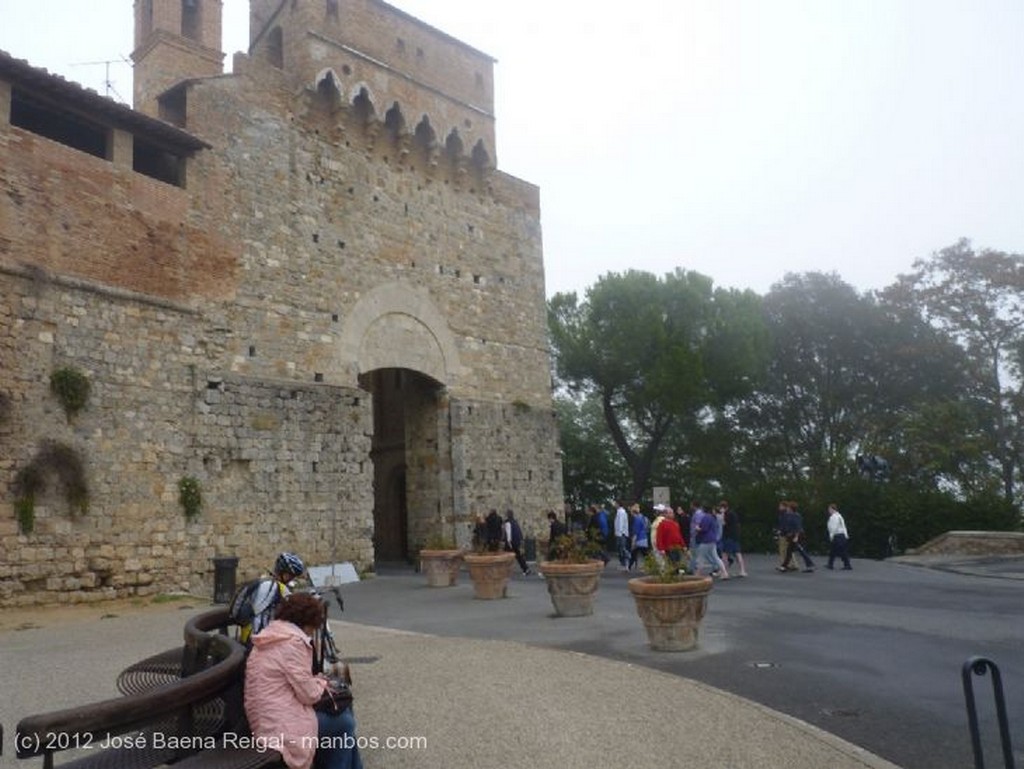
978 666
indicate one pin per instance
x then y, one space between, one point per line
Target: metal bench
173 712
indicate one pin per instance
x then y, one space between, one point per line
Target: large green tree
659 355
592 469
845 378
977 299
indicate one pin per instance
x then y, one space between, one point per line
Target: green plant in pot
440 560
573 574
670 601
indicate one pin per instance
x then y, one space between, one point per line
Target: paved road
872 655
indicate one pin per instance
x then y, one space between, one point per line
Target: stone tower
174 40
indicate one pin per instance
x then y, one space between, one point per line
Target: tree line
712 392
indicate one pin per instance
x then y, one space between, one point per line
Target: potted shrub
489 565
573 574
670 602
440 561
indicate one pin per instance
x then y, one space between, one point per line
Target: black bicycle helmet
290 564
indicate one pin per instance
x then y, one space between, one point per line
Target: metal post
978 666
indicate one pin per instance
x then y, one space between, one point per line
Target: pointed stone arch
362 103
394 120
328 87
480 156
454 145
397 325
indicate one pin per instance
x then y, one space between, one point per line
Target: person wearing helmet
288 567
254 604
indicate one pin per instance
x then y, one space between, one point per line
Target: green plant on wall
71 387
52 460
25 509
190 495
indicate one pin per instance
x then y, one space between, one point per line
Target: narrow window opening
275 48
147 17
191 19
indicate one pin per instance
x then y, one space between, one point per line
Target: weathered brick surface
231 328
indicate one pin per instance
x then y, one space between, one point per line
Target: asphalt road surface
873 655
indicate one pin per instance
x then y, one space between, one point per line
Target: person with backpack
514 541
254 603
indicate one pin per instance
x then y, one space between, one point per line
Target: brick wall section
72 213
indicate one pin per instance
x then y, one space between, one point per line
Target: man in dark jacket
493 532
557 529
791 527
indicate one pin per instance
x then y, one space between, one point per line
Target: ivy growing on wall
190 495
71 387
53 460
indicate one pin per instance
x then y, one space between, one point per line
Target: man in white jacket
838 537
622 535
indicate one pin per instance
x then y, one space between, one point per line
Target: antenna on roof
108 84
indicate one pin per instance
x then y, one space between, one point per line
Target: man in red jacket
669 538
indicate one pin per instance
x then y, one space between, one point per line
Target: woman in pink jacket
280 690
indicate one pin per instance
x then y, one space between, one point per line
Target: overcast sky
743 139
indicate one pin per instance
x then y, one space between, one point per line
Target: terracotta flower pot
441 567
671 611
572 586
489 573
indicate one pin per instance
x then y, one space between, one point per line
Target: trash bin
224 568
530 546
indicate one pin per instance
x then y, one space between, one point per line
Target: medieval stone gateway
304 286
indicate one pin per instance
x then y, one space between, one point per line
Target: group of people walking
711 538
494 534
790 537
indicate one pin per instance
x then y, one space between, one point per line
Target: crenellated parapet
347 113
404 81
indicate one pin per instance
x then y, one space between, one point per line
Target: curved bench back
218 664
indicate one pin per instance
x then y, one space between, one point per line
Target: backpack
252 606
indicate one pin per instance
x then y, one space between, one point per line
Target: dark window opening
172 107
147 17
191 20
275 48
158 164
62 127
